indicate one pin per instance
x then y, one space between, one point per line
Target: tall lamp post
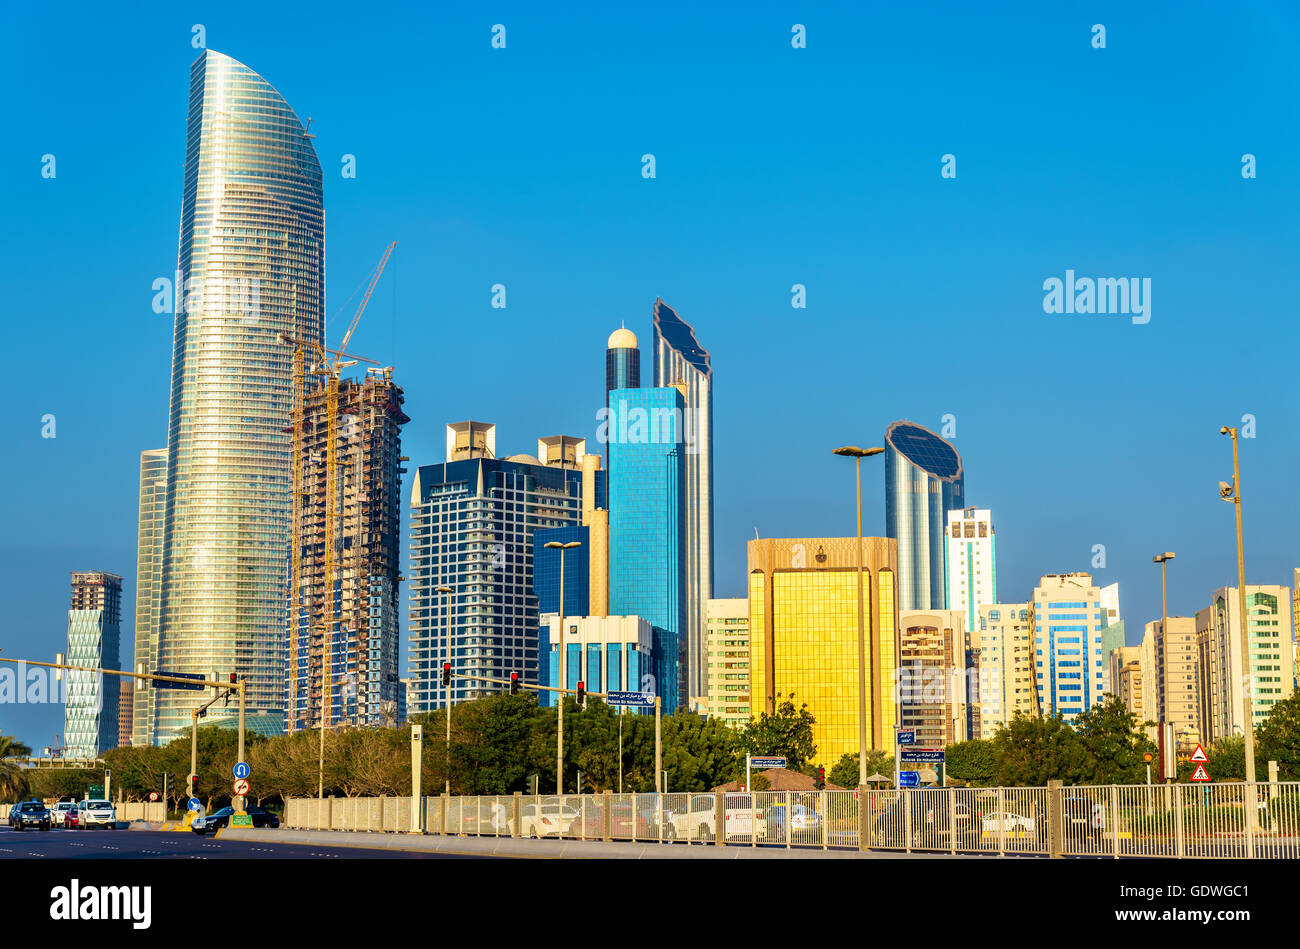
1163 559
1233 493
564 682
446 591
858 454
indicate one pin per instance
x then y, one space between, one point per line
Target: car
29 814
72 819
547 819
1009 824
218 819
932 828
1082 816
624 821
60 811
804 822
96 814
697 820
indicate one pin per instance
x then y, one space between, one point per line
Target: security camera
1225 490
1223 430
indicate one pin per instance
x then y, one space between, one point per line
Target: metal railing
1176 821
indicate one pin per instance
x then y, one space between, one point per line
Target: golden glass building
803 614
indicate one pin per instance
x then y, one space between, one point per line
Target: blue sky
775 166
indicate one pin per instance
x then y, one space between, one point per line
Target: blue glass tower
923 482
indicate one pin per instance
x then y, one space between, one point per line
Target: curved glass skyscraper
923 482
251 266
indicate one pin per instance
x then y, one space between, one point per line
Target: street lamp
1163 559
564 682
858 454
1233 493
446 591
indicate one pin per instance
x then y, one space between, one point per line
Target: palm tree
13 783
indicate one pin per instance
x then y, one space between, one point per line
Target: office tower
605 653
1177 682
148 585
1067 620
344 610
648 524
473 520
970 562
934 693
1004 643
125 707
252 267
923 482
680 361
622 362
90 717
803 621
727 655
1271 670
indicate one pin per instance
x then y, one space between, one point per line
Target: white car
698 820
1007 822
546 820
60 811
96 814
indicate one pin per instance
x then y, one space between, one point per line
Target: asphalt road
156 845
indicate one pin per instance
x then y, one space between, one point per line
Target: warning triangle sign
1200 774
1199 755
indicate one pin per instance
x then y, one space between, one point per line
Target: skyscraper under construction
343 614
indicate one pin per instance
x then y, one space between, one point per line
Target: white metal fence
126 811
1113 821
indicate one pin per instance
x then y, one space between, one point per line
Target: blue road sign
241 770
909 779
907 736
921 755
631 699
770 762
178 685
195 805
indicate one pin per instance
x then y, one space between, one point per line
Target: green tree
1278 739
1113 745
1034 749
788 733
13 781
975 762
845 771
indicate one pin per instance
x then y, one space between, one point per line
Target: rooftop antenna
306 129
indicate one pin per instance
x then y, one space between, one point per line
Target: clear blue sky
775 166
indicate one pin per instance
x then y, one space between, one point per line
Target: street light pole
564 682
446 592
1163 559
858 454
1233 494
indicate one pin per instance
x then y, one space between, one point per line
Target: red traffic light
582 693
514 683
446 673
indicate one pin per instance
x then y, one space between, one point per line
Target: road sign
241 820
179 685
94 791
770 762
919 755
907 736
909 779
631 699
1199 755
1200 774
153 795
194 804
241 786
241 770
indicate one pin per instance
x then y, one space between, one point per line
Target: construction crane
330 369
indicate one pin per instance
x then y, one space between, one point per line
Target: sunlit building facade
803 615
90 717
728 661
1004 642
1271 674
970 562
936 678
1070 666
251 267
148 587
923 482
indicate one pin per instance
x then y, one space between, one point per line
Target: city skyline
1114 418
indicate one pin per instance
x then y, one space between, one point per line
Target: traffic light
446 674
821 777
233 680
582 693
514 683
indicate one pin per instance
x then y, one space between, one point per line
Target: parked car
625 822
29 814
97 814
1082 817
934 827
699 819
218 819
60 811
546 819
804 823
1008 823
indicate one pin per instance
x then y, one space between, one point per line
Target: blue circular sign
195 805
241 770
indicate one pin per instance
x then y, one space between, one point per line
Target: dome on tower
622 338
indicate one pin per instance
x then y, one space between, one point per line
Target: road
156 845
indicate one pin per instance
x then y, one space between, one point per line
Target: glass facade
923 482
577 572
647 522
251 267
1067 620
148 586
90 717
605 653
680 360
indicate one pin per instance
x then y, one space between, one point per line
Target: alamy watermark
1102 295
231 296
621 424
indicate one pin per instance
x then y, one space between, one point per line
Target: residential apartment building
728 661
1271 661
1004 642
148 587
934 682
1177 677
1067 620
970 562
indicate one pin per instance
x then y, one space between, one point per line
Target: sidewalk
545 849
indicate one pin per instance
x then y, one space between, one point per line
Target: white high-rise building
1070 663
970 564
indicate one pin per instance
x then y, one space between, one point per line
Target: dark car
218 819
29 814
930 824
